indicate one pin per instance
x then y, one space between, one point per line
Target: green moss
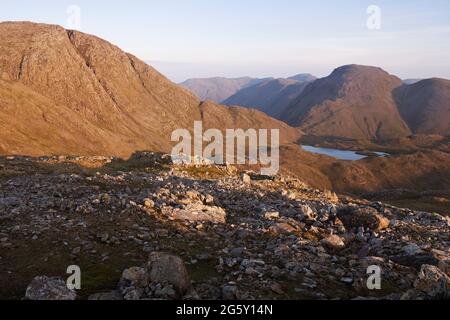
423 204
98 278
212 172
202 270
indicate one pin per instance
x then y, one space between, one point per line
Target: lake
340 154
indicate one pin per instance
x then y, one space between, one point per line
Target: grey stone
45 288
432 281
163 267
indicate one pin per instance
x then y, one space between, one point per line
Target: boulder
149 204
412 249
432 281
416 260
230 292
134 277
334 242
246 179
307 212
369 218
45 288
197 212
272 215
167 268
283 228
444 265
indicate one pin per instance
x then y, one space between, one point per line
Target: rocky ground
146 229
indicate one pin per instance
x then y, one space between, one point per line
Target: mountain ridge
220 89
354 102
83 76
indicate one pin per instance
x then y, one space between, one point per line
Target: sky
260 38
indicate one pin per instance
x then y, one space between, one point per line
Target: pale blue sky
199 38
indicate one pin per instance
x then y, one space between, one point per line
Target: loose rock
45 288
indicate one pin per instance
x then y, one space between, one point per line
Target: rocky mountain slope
425 106
67 92
353 102
145 228
271 97
218 89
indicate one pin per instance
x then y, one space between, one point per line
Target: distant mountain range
361 102
355 102
220 89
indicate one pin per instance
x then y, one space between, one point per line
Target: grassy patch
428 204
212 172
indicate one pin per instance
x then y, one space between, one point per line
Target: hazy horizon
171 69
197 38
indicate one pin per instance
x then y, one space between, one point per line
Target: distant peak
354 71
435 81
357 68
304 77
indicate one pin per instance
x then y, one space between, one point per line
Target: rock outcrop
433 282
164 276
45 288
